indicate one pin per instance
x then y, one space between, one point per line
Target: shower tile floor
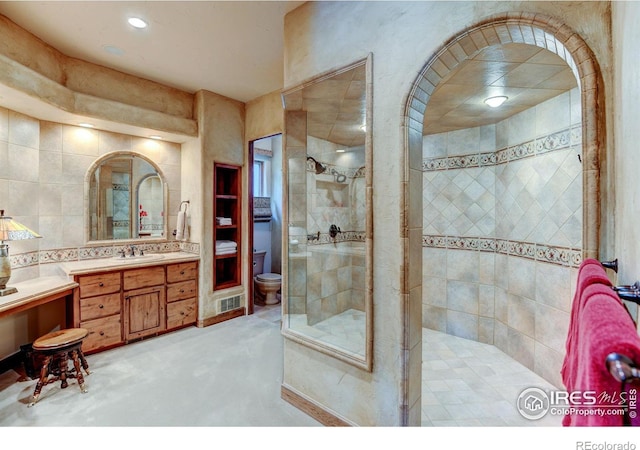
468 383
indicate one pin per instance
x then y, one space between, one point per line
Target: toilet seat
269 277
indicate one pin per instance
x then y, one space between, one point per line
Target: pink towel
590 272
604 327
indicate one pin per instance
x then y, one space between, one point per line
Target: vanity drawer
103 332
181 313
180 291
94 307
145 277
182 272
105 283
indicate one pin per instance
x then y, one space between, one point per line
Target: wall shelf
227 181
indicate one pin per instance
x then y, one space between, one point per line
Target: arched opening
500 264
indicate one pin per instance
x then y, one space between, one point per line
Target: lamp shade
10 230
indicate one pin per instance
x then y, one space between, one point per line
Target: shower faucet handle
334 230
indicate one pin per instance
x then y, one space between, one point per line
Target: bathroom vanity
124 300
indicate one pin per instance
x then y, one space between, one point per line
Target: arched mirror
127 199
328 175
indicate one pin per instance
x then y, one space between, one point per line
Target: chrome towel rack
624 370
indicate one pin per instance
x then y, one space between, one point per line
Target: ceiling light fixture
86 125
494 102
156 137
340 150
137 22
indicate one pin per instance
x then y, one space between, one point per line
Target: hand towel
605 327
182 228
590 272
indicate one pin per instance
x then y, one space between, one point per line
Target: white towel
182 229
224 245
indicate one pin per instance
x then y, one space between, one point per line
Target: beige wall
221 130
402 36
265 116
626 210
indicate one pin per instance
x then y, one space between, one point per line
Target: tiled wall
503 231
43 166
335 280
326 274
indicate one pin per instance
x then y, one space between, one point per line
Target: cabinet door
144 312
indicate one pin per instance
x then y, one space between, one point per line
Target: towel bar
613 265
629 292
622 368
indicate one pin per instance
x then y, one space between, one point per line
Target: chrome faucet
334 230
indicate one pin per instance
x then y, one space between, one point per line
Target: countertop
119 263
33 292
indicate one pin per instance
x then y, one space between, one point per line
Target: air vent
227 304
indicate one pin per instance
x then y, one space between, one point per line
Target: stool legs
44 374
83 361
76 364
57 364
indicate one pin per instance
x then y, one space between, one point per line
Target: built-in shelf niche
227 204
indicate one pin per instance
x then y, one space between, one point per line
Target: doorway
265 216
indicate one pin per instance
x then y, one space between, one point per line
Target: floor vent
227 304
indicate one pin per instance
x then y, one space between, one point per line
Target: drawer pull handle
102 333
182 291
101 285
127 298
182 313
182 272
100 306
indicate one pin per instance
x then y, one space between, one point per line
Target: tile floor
467 383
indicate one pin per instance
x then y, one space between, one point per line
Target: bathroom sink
132 259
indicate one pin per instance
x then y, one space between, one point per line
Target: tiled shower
502 231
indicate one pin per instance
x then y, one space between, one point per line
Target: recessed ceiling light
113 50
341 150
137 22
494 102
86 125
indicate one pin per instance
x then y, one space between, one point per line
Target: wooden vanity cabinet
97 308
125 305
144 302
182 294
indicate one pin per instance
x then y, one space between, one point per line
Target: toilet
266 285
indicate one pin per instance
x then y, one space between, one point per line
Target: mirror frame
366 362
87 201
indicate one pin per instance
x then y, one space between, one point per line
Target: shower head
319 168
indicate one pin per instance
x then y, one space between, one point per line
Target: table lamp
10 230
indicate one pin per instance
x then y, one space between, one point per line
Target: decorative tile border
332 169
562 256
22 260
343 236
545 144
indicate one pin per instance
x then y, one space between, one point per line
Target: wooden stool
56 348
